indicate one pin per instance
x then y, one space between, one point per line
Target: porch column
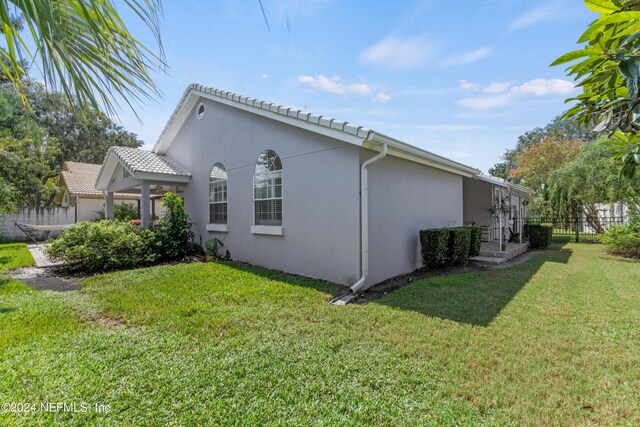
108 205
145 199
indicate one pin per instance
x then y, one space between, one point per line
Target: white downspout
364 218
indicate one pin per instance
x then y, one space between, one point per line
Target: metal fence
584 229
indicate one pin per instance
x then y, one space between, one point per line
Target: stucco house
294 191
77 188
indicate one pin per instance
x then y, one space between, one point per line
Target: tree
30 164
34 144
83 49
559 128
591 179
82 135
538 162
608 71
8 196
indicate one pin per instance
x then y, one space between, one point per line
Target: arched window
218 195
267 189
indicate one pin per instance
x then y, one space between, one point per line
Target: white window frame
204 110
219 226
272 175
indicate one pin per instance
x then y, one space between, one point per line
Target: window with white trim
218 195
267 189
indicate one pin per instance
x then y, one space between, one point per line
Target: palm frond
84 49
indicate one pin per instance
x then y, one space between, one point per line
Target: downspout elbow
364 218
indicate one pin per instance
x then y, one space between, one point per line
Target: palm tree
83 49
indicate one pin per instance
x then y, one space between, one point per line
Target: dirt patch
104 320
379 290
45 279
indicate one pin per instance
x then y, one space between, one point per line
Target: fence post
577 230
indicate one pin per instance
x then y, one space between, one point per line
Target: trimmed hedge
539 235
476 241
446 246
435 246
459 245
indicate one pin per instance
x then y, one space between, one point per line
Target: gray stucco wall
477 199
320 191
404 198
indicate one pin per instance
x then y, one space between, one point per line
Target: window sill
223 228
270 230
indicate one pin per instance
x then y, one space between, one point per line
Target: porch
136 171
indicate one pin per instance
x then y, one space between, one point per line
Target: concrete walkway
41 260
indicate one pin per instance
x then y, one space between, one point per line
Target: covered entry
132 170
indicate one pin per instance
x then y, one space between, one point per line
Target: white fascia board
160 177
104 177
409 152
123 184
490 180
163 144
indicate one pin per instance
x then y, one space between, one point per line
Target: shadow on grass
472 298
4 310
4 260
289 278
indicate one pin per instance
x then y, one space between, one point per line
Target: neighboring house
484 194
77 181
294 191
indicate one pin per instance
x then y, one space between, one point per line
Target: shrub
122 212
623 240
174 237
102 246
459 245
476 240
539 235
434 245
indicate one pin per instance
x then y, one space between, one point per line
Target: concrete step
488 259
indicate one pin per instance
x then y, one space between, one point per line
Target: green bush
476 240
122 212
539 235
623 240
434 245
459 245
174 237
102 246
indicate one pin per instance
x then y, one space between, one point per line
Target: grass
551 342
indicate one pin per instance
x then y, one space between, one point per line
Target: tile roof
80 178
136 160
328 122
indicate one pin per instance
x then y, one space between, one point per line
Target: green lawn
555 341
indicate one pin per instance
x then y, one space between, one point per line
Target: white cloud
497 87
535 16
486 102
467 85
400 54
335 85
382 98
503 94
540 87
467 58
265 76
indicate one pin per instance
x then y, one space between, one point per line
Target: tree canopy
590 179
608 71
34 144
558 129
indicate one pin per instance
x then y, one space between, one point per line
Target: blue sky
461 78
